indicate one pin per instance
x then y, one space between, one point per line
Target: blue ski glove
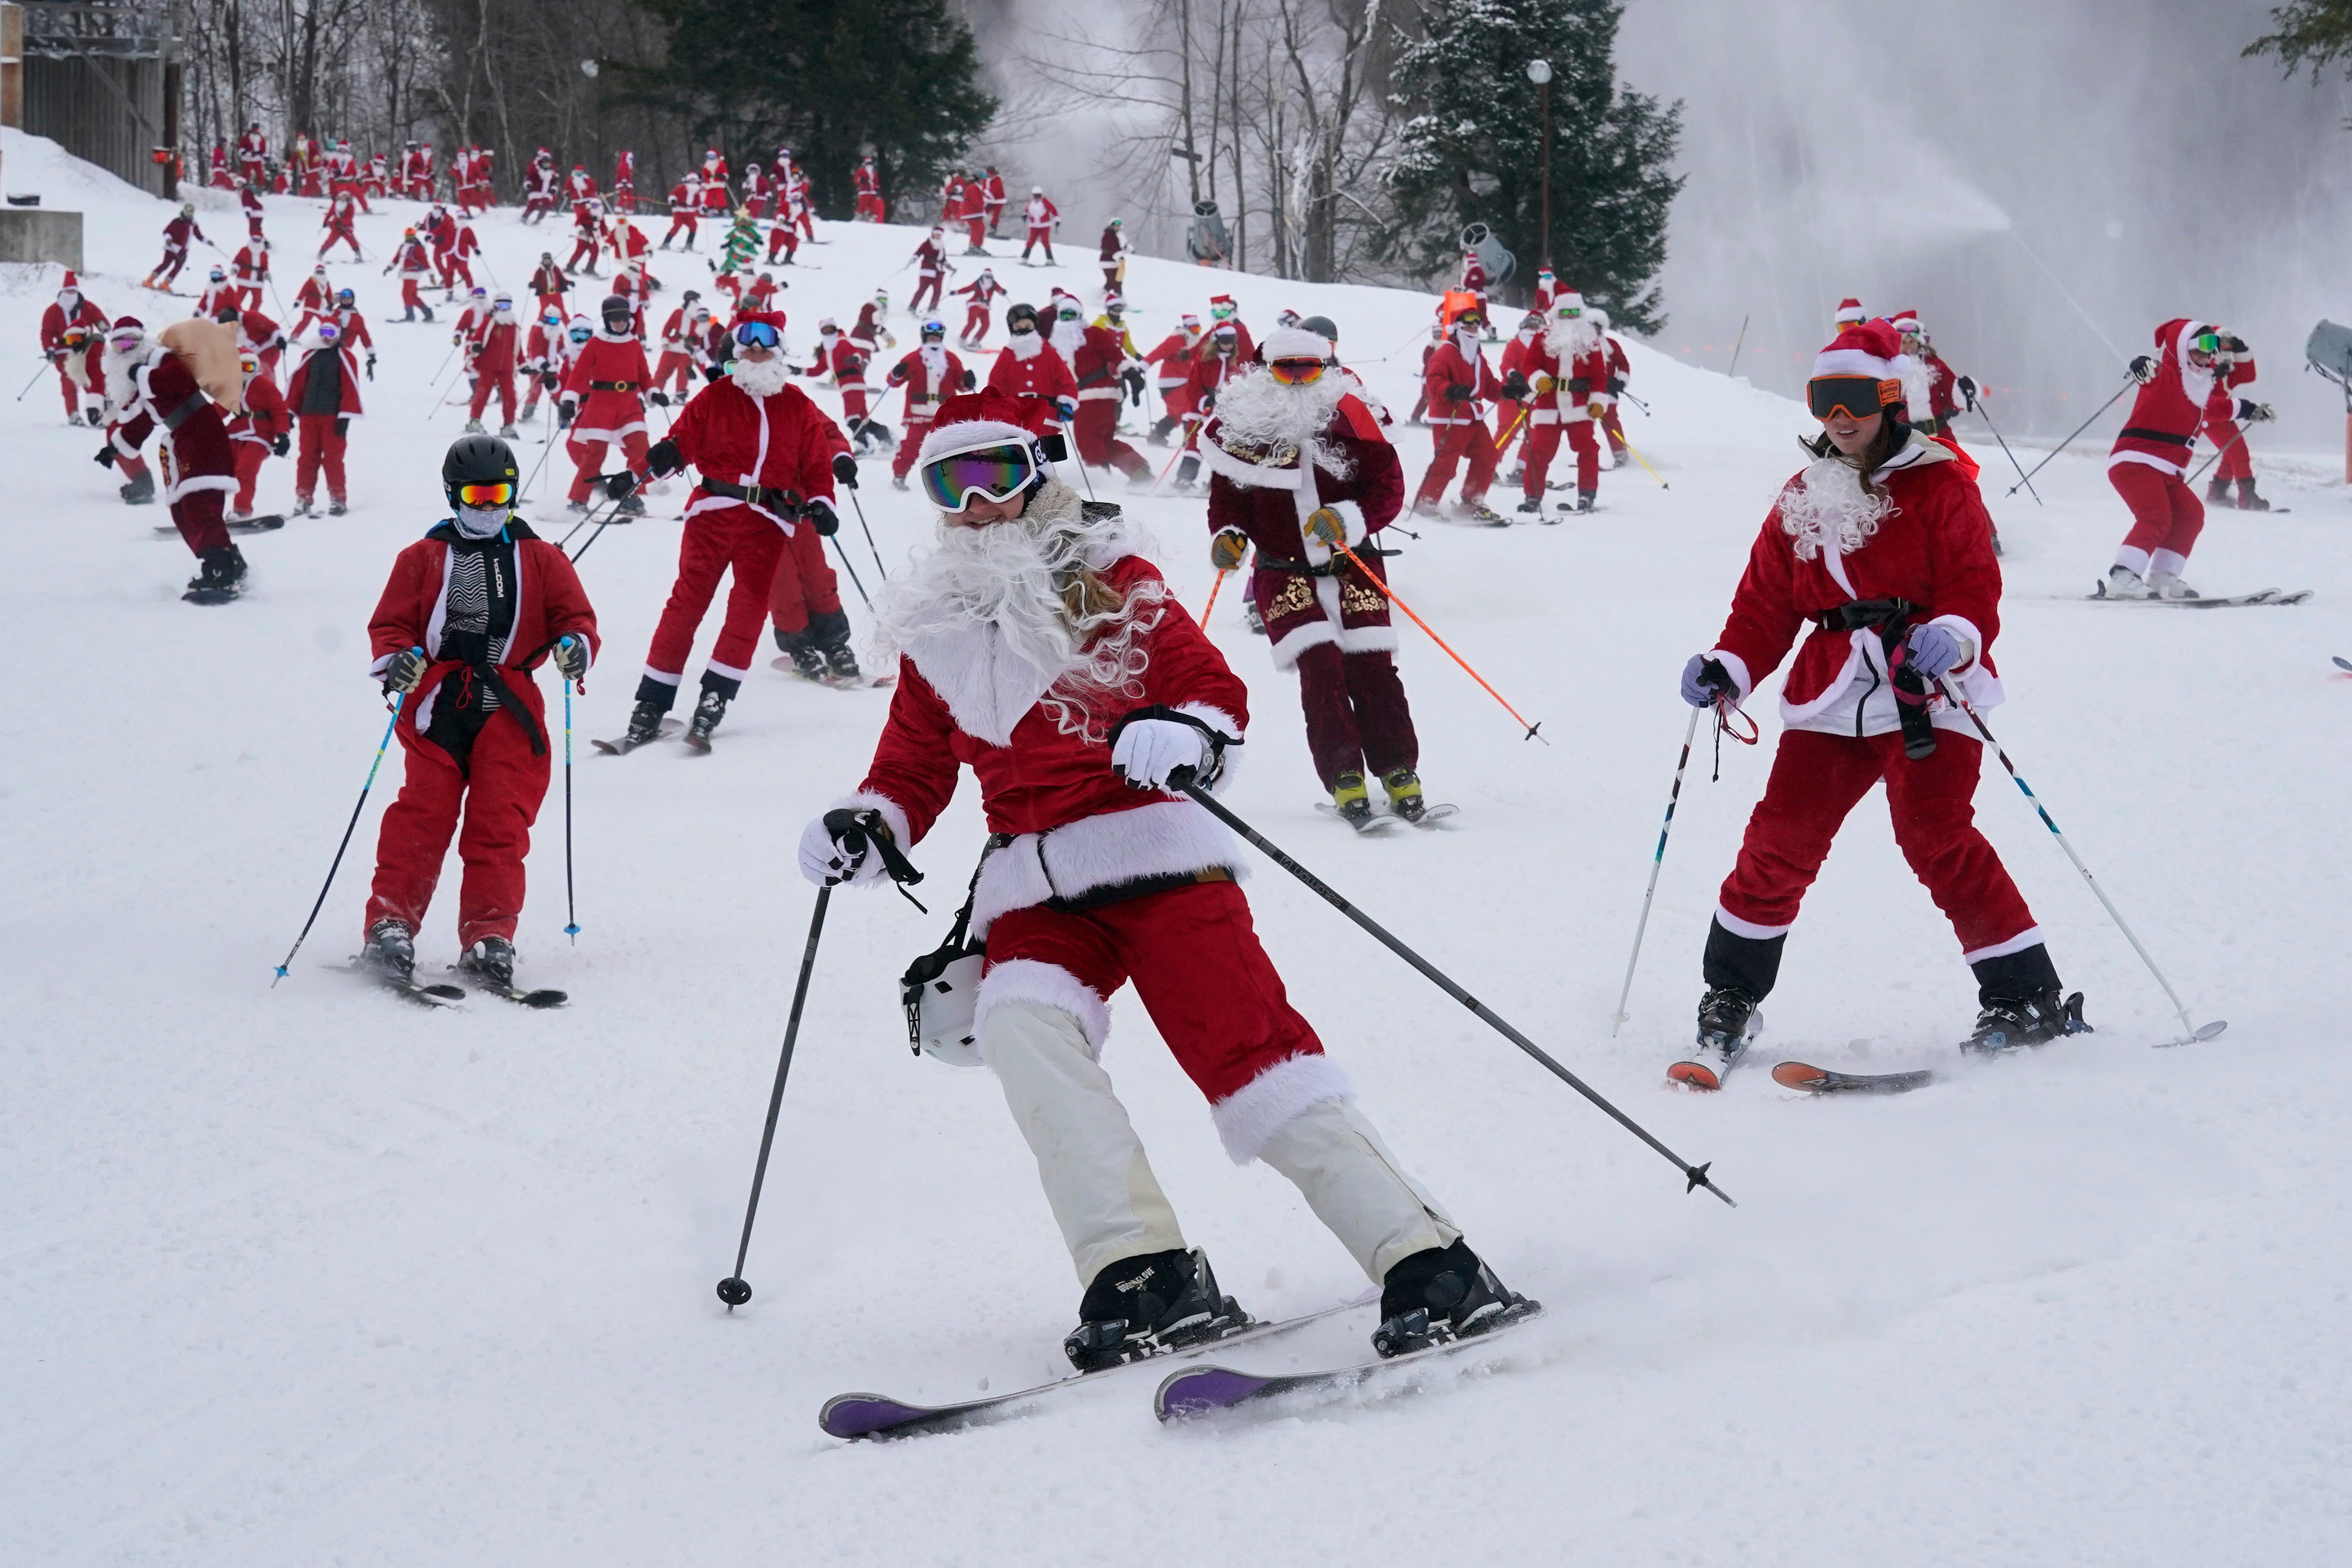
1704 679
1932 651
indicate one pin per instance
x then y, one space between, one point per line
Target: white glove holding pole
830 860
1149 750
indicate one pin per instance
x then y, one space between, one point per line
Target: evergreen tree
827 78
1472 150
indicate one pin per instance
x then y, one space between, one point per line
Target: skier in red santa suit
931 269
323 396
2150 459
253 152
178 233
1297 465
992 196
1216 363
263 430
1038 646
252 271
764 454
1511 413
983 292
932 374
470 611
1582 354
152 389
684 211
315 300
1474 279
1173 356
2222 429
1932 385
249 196
1039 216
1097 363
602 403
415 266
218 292
1455 380
1881 545
73 336
492 347
675 369
839 357
257 335
341 216
1029 368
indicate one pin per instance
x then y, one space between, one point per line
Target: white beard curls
1570 340
1006 579
1826 503
1257 414
760 377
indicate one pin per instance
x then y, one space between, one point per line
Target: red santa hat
1221 304
1867 348
125 323
972 420
1849 311
71 285
1904 320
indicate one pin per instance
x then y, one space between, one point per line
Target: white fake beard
1918 384
1570 340
760 377
1007 578
1024 345
121 374
1825 504
935 361
1256 412
1069 336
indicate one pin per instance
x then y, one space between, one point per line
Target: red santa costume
492 349
867 181
1898 580
1096 364
73 336
249 197
932 374
673 372
153 389
257 335
1474 279
253 152
2228 436
251 271
315 300
982 291
685 209
1281 453
2150 462
840 358
177 234
342 215
1216 362
416 264
1038 216
540 186
1455 381
1173 356
323 396
487 601
1096 876
764 454
603 399
931 269
1576 360
261 430
711 182
1030 368
624 181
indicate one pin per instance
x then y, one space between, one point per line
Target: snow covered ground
302 1276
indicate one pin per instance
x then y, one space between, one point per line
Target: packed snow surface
304 1275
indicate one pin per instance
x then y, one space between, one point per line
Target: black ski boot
2006 1023
1727 1021
1532 507
830 634
2247 500
493 958
707 715
391 947
807 660
1439 1296
1145 1306
139 491
2217 494
630 506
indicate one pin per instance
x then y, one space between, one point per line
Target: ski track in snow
304 1276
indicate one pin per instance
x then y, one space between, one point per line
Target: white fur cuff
1259 1109
893 813
1047 985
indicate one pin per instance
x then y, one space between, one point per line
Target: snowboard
622 747
259 525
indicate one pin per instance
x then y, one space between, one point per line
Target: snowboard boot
829 633
1404 794
1145 1306
138 491
492 958
2123 583
644 722
219 571
2217 494
391 947
2005 1023
707 715
1352 800
475 427
1727 1021
807 660
1441 1295
2247 500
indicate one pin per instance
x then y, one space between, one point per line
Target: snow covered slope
299 1276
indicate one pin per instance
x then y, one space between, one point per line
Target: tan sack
210 349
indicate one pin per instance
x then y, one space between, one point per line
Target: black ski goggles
1856 397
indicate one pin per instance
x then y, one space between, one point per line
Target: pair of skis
1192 1390
1802 1076
1379 822
2099 595
443 995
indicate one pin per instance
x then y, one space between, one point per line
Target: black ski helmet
477 460
617 312
1021 313
1322 326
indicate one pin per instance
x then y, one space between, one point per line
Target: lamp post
1539 73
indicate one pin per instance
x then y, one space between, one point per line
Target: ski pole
844 472
1644 461
1738 343
2028 478
38 371
2005 452
844 556
1182 780
732 1290
2218 455
1657 861
1183 445
547 452
602 524
571 906
1214 588
340 848
2180 1009
1390 594
1637 402
443 365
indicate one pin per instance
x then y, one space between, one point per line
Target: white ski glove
830 860
1149 750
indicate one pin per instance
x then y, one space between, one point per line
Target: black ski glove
571 657
370 365
279 446
967 382
1968 391
343 426
1616 385
563 413
1516 386
407 671
659 399
713 372
2143 369
820 513
550 380
662 458
106 455
2234 345
844 469
1460 392
2254 413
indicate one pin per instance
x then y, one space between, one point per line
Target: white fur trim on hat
966 434
1295 343
1852 363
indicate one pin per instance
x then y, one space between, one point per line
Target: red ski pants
1039 234
976 323
504 382
500 803
1093 429
1356 717
903 458
249 457
2235 463
870 209
590 455
1193 954
322 445
1817 778
1614 425
411 297
975 230
1582 440
343 236
197 516
1542 447
732 537
1454 442
783 241
674 367
2166 513
680 221
804 584
924 282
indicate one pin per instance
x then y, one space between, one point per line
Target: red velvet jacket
1042 374
1449 367
609 414
781 441
265 418
2170 410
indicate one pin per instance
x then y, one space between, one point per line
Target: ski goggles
498 495
328 332
124 342
1856 397
2206 343
996 473
582 334
1297 372
757 334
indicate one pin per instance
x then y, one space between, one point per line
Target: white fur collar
987 687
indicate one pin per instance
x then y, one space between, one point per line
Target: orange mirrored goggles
1856 397
1297 372
484 495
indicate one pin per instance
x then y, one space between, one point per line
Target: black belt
2141 433
1331 568
611 386
753 495
185 412
1860 612
1136 887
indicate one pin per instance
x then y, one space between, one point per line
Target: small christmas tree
1472 151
